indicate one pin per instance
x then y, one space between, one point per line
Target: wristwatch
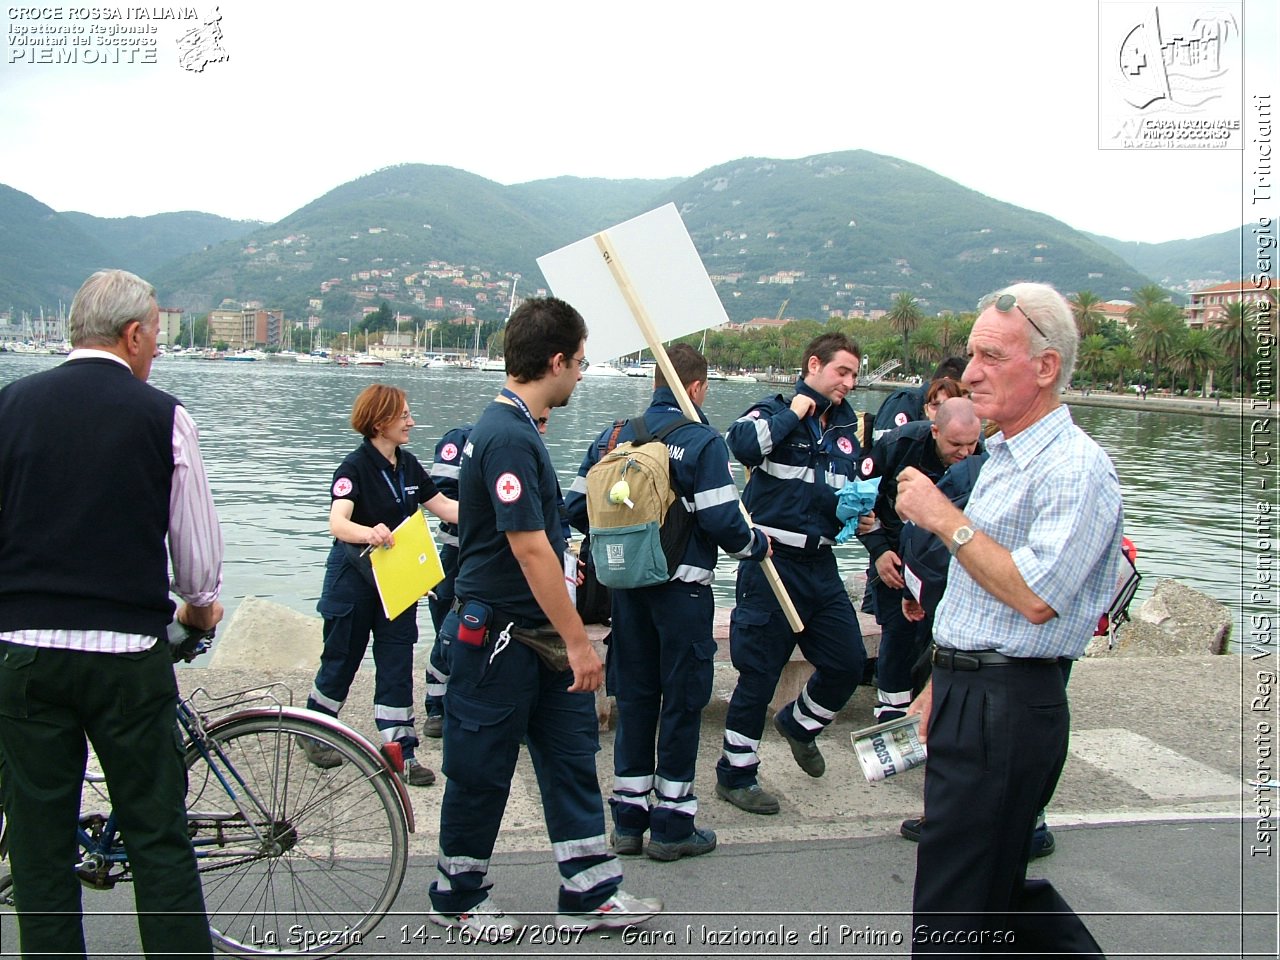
962 536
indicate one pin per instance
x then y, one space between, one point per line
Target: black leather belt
950 659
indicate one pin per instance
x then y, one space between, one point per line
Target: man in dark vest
97 469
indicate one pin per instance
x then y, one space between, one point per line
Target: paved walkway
1152 739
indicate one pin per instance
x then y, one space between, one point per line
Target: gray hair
107 303
1048 310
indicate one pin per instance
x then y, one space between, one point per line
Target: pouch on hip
473 622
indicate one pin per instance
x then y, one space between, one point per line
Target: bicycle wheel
308 860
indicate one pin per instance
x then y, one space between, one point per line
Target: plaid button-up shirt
1050 496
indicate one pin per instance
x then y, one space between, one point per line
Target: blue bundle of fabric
856 499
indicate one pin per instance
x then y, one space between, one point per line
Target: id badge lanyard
400 496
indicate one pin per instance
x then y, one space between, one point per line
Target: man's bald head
956 428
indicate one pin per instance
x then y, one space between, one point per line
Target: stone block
268 637
1176 620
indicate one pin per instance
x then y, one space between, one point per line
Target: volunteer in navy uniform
1036 559
444 474
801 451
662 652
521 668
377 486
908 403
930 447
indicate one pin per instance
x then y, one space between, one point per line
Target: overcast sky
1002 97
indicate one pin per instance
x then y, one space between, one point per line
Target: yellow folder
405 572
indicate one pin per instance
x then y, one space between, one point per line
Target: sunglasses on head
1007 302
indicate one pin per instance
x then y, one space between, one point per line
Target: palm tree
952 332
1145 298
1092 356
1230 336
1122 359
925 348
1156 333
1084 308
904 317
1195 353
881 351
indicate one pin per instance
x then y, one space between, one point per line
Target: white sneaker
485 922
620 910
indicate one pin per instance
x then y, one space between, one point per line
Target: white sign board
665 272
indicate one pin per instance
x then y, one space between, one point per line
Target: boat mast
511 307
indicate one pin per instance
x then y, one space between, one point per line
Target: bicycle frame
98 837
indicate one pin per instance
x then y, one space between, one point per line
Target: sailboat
317 354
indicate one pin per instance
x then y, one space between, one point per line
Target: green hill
1186 265
143 244
841 232
854 228
44 257
838 232
398 221
592 203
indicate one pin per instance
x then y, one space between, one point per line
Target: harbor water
273 431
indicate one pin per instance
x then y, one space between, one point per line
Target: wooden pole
641 316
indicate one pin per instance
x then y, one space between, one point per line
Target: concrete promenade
1157 829
1159 836
1200 406
1152 738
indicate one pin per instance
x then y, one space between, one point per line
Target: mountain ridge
837 232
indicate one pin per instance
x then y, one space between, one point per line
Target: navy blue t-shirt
506 482
378 493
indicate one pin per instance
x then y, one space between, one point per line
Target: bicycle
294 859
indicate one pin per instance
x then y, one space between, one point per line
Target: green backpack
639 529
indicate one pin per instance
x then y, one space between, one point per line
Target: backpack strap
670 428
641 428
644 434
613 436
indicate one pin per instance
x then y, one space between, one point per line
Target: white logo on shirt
508 488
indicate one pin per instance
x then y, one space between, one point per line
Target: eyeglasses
405 416
1007 301
582 362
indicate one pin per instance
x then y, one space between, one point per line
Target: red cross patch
867 466
449 452
900 419
844 445
508 488
342 486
